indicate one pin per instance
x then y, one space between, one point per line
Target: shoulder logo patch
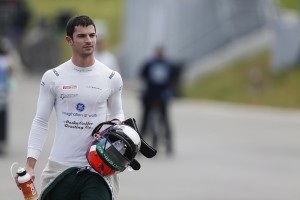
55 72
112 75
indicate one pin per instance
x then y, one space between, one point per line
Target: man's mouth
88 47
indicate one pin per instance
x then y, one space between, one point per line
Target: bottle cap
21 171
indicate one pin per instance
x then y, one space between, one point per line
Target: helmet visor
112 153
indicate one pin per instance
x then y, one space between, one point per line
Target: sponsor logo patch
78 124
93 87
69 87
66 96
75 114
80 107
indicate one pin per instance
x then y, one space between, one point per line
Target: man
4 93
157 73
84 92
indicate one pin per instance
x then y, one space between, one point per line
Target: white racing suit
82 98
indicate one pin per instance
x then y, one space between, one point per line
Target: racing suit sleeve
39 128
114 102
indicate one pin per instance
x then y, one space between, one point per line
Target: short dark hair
82 20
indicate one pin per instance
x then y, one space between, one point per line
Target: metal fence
189 29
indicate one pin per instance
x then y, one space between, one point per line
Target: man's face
84 40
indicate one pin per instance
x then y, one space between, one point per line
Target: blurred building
189 29
286 44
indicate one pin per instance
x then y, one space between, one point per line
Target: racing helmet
113 149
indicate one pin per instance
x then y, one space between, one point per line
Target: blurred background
249 44
234 101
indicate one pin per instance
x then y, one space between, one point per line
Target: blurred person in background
104 55
84 93
157 74
5 73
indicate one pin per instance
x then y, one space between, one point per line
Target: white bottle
26 185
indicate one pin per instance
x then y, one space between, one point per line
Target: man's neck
83 62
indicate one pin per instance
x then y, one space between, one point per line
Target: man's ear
69 40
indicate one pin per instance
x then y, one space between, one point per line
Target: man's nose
88 39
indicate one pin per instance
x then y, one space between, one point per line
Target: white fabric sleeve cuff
33 153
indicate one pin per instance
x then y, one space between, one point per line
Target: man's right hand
29 167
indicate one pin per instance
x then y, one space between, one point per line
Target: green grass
110 11
237 83
289 4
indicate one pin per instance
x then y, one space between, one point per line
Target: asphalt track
222 151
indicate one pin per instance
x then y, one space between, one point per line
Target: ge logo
80 107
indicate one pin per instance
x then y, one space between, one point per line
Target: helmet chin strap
146 149
135 164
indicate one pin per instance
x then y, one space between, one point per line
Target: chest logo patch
80 107
69 87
